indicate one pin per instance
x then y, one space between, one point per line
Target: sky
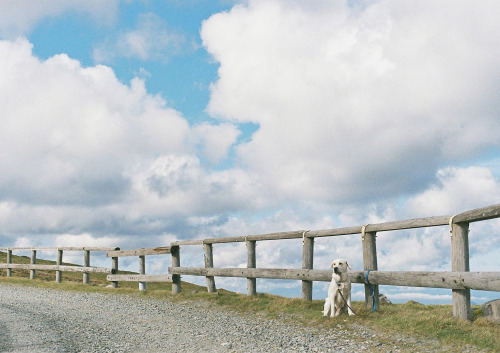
136 123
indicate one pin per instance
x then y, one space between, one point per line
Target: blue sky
181 71
137 123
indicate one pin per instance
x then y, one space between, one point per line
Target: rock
491 310
382 298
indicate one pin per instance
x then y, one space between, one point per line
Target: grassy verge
422 322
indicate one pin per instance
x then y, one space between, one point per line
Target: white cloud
215 141
75 128
18 17
76 141
356 104
415 296
150 40
179 185
458 190
84 240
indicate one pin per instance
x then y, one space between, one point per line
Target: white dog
339 292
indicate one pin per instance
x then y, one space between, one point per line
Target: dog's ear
347 263
331 265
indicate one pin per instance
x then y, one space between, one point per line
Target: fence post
33 262
460 263
86 263
9 261
251 263
209 263
59 263
142 271
175 251
114 270
307 263
370 263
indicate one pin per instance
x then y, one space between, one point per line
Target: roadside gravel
44 320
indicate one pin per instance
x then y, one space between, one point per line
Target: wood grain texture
209 262
139 252
489 281
114 270
142 271
33 262
251 263
139 278
176 263
460 262
370 263
307 264
59 263
56 268
9 261
86 263
65 248
478 214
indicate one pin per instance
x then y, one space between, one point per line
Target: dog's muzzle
336 270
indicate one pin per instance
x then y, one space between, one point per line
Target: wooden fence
59 268
459 280
142 277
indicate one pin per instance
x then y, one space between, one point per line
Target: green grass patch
422 322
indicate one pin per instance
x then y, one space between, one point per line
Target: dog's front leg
327 307
333 306
349 310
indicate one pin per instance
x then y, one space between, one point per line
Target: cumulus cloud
457 190
82 152
215 141
179 185
416 296
19 17
67 131
356 103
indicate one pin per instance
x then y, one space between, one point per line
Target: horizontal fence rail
56 268
86 269
388 226
488 281
139 252
62 248
142 277
477 215
270 273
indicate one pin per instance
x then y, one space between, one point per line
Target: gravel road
43 320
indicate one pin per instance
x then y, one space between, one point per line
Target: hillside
410 327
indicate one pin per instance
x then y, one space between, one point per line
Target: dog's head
340 266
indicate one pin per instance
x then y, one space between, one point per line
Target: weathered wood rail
86 269
459 280
142 277
488 281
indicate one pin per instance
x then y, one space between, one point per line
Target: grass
431 324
